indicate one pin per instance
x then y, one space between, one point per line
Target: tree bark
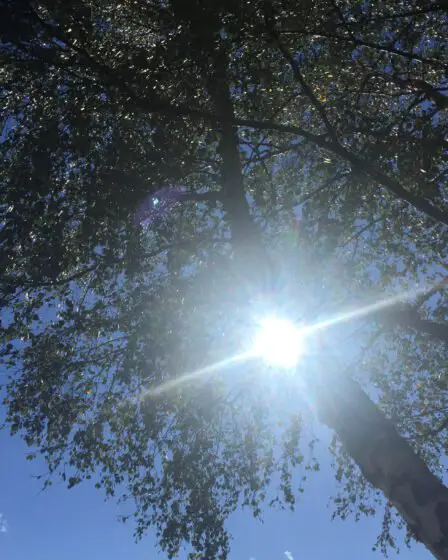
437 331
409 318
251 258
386 460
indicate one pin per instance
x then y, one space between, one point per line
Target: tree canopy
173 170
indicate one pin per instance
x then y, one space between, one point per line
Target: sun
279 342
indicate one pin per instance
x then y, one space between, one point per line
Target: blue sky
78 524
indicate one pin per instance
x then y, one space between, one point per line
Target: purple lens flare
158 204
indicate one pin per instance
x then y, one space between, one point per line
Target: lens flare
199 373
279 342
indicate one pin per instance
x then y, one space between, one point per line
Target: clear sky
78 524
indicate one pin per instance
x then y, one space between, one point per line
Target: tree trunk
408 317
386 460
251 259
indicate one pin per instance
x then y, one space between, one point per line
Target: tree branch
275 36
360 42
416 85
435 7
227 119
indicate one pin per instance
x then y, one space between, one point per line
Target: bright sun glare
279 342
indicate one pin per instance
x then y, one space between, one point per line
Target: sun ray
304 331
186 377
364 311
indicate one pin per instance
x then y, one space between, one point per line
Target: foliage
334 112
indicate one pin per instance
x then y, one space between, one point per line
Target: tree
222 123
